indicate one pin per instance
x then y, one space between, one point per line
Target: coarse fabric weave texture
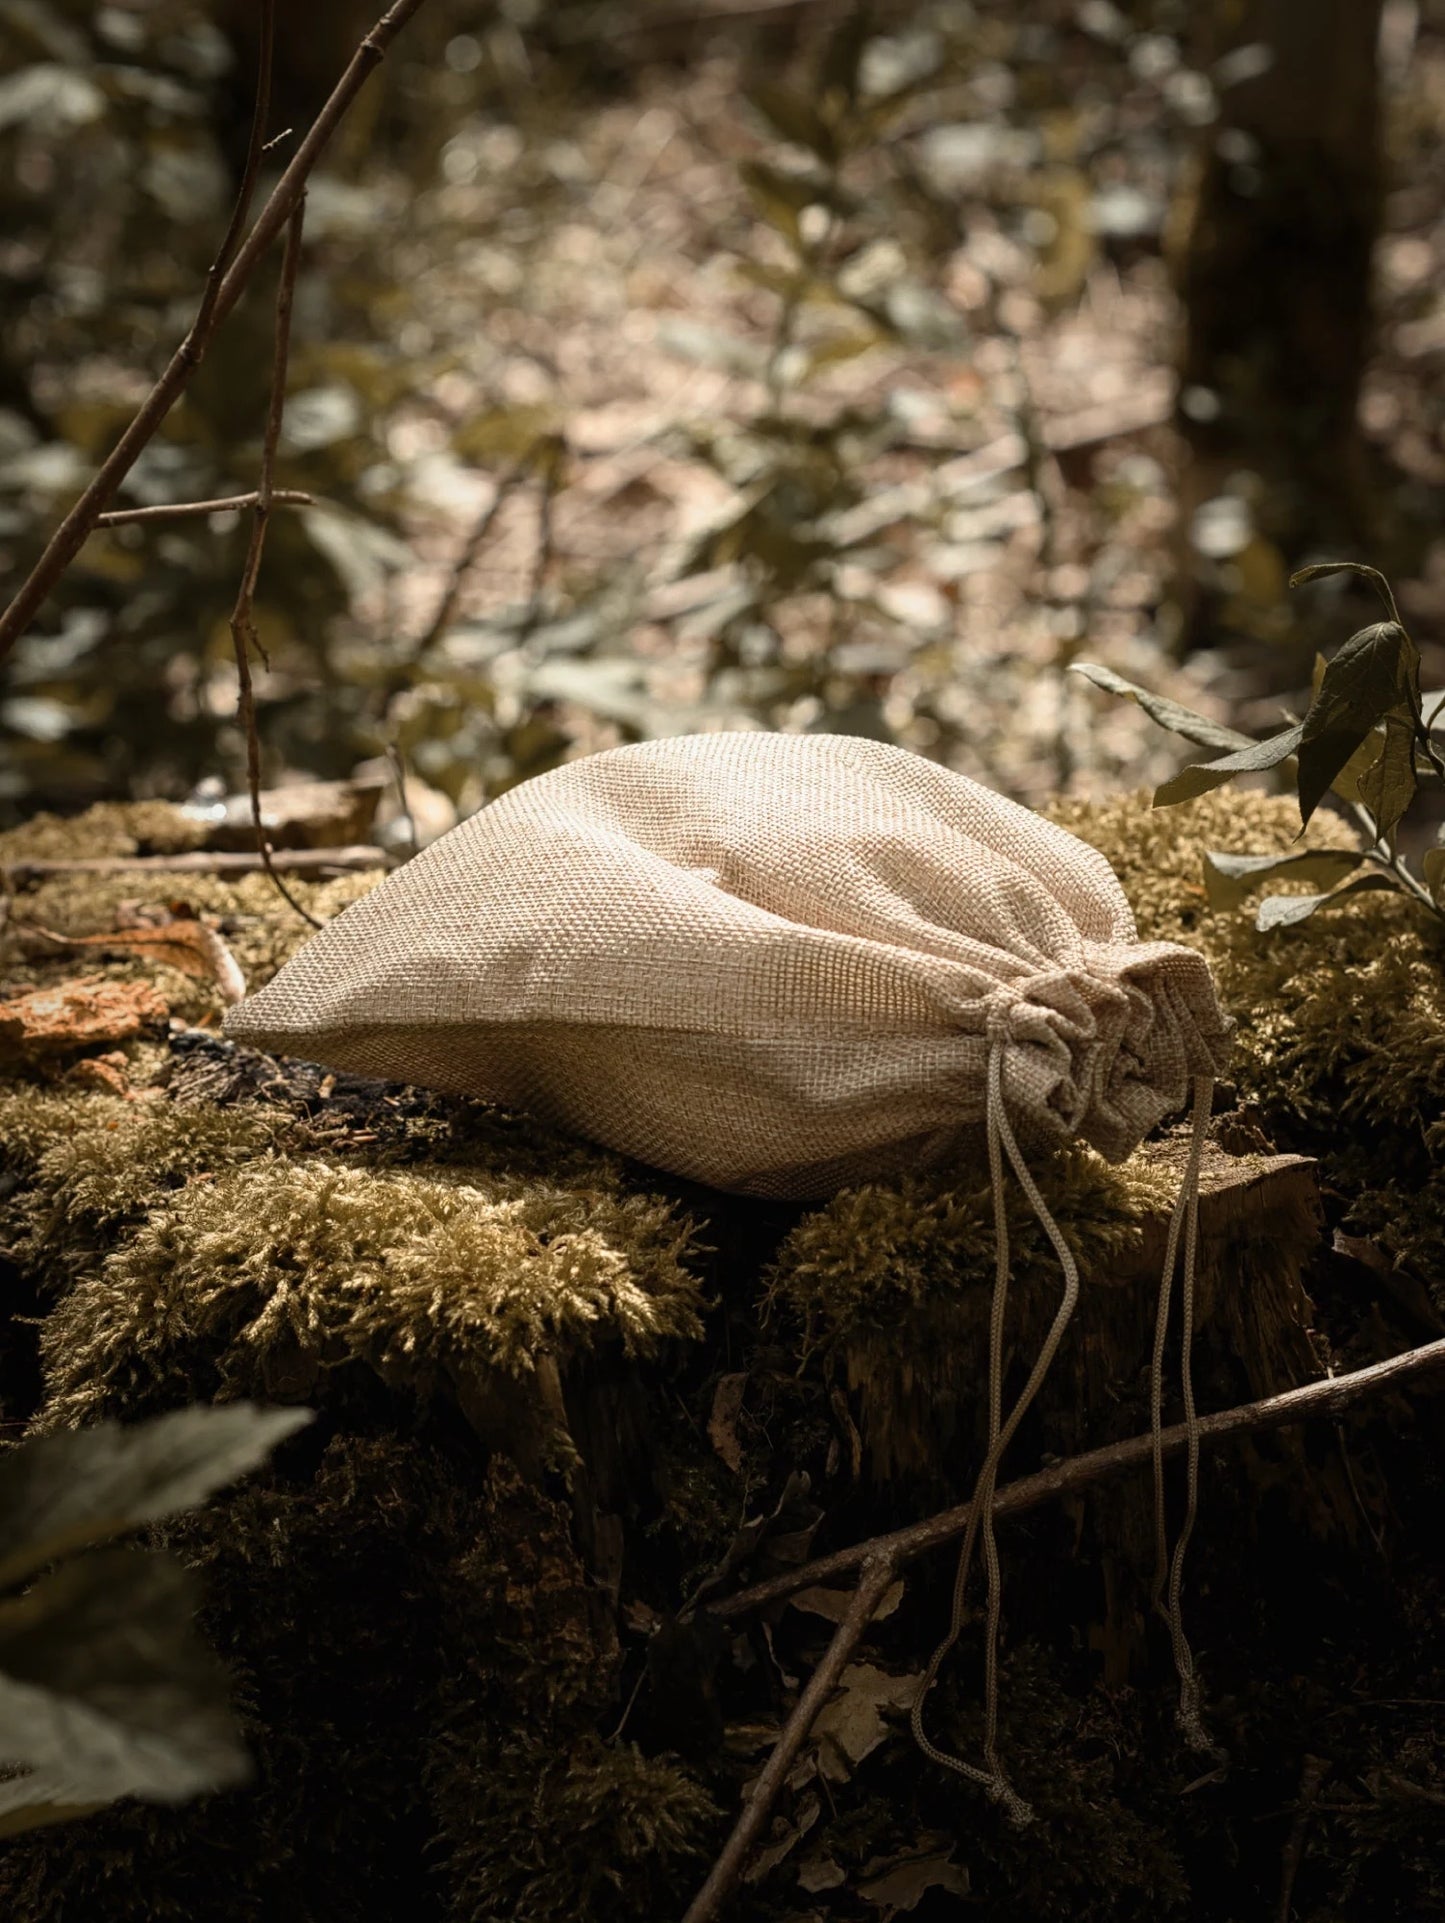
776 964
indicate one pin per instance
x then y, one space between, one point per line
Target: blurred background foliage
666 366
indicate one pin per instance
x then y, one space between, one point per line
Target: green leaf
1228 879
1169 714
1387 787
795 117
1282 911
1204 775
61 1492
1433 868
105 1685
1375 674
780 198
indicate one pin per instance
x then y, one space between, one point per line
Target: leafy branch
1366 738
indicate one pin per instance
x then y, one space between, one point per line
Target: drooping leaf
105 1685
1169 714
1282 911
1320 570
1205 775
1387 787
1375 674
60 1492
1228 879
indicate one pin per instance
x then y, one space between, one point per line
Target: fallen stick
879 1559
198 862
878 1571
1330 1397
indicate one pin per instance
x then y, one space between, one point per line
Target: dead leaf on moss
187 945
820 1872
852 1725
897 1885
834 1603
87 1013
102 1071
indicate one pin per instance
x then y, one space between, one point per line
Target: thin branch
877 1574
441 621
181 510
255 149
301 861
1332 1397
69 537
243 625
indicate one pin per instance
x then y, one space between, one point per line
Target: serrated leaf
59 1493
1205 775
1376 674
1169 714
1282 911
1387 787
105 1685
1228 879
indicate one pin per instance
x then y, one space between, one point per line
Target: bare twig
398 769
877 1574
68 538
301 861
255 149
441 621
1331 1397
181 510
243 625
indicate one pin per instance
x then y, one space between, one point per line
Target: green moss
589 1834
437 1279
1341 1019
109 829
888 1289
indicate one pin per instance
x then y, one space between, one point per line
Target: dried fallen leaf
834 1603
820 1872
86 1013
189 946
898 1886
102 1071
851 1726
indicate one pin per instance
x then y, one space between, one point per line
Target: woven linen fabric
772 963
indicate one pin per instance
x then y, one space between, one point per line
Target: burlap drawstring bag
779 964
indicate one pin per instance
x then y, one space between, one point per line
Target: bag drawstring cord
1001 1141
980 1520
1169 1570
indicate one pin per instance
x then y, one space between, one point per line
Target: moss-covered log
559 1394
